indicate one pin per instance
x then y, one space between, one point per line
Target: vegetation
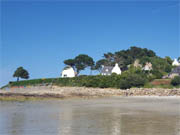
178 58
21 73
80 62
160 66
23 98
176 81
125 57
132 76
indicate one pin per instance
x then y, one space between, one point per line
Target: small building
137 63
108 70
175 72
147 67
175 63
68 71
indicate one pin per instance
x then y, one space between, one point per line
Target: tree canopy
70 62
99 64
178 58
125 57
21 73
80 62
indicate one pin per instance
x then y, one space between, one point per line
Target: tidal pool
103 116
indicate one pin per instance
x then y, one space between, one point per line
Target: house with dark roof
108 70
175 72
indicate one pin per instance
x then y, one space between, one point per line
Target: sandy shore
67 92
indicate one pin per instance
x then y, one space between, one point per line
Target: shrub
91 81
136 80
126 80
105 82
132 80
157 74
124 84
176 81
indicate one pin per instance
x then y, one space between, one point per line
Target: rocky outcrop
153 92
65 92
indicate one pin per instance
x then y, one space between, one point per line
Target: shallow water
105 116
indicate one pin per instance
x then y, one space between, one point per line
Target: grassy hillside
113 81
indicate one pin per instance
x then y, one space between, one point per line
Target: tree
21 73
83 61
99 64
109 56
161 65
133 77
169 60
70 62
127 57
80 62
176 81
178 58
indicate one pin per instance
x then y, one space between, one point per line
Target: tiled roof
176 70
106 70
67 67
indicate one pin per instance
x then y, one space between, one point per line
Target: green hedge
176 81
32 82
124 81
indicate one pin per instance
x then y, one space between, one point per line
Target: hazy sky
40 35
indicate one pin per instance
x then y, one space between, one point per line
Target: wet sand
102 116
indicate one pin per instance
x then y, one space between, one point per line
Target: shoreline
55 92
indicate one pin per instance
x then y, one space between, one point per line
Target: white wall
175 63
68 72
116 69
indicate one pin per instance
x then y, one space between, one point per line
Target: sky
40 34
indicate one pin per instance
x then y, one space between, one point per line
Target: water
105 116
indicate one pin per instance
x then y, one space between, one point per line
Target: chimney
116 65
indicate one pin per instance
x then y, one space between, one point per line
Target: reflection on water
110 116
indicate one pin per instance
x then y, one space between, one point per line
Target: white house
108 70
116 69
147 67
68 72
175 63
137 63
175 72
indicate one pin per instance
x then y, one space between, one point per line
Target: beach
94 116
70 92
80 110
